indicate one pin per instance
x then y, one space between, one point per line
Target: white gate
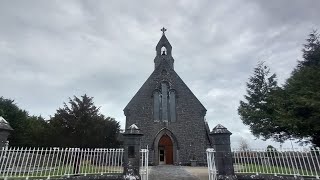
211 164
144 164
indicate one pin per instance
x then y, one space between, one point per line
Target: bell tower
163 50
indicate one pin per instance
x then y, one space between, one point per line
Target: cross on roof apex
163 30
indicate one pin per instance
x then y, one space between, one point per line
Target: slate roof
4 125
219 129
149 86
150 82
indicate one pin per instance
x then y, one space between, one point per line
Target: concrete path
170 172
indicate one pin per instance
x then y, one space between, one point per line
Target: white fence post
211 164
144 173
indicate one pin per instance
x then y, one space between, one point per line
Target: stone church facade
169 115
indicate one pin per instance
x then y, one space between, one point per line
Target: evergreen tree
303 93
259 109
80 124
27 130
311 51
36 132
272 152
16 117
292 111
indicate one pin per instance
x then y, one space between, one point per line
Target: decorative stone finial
133 129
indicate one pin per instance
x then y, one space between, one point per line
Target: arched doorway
165 150
168 142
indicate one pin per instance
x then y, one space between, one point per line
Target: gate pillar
132 147
221 144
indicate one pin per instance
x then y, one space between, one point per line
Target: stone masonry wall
189 128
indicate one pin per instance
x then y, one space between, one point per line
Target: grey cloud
50 51
291 12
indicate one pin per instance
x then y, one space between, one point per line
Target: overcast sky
52 50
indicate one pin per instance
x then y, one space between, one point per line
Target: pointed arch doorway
165 150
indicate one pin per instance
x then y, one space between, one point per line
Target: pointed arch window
164 103
156 105
172 103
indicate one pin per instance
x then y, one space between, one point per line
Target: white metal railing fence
56 162
144 171
296 162
212 171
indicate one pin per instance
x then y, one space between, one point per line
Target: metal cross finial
163 30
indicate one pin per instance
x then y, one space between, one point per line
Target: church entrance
165 150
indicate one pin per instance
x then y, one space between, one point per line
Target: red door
166 143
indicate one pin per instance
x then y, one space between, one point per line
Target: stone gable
189 130
163 72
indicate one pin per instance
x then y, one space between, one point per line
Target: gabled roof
163 65
163 42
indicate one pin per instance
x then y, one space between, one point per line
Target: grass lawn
264 169
64 171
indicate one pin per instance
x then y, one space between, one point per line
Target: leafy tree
16 118
36 132
270 147
258 110
272 151
243 145
80 124
28 131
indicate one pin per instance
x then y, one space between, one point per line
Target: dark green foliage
28 130
303 93
36 132
258 111
289 111
270 147
272 151
16 117
80 124
311 51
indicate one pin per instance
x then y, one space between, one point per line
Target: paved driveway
170 172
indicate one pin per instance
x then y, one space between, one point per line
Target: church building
169 115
